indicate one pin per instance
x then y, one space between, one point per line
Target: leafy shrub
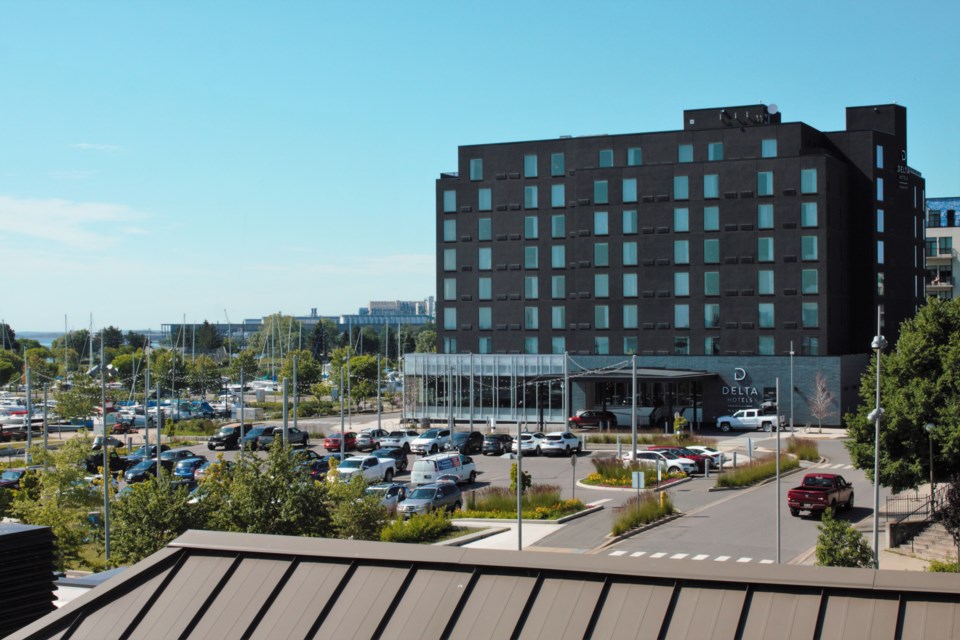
840 544
420 528
803 448
540 502
639 511
198 427
525 480
943 566
749 474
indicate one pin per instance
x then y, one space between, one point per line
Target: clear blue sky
162 159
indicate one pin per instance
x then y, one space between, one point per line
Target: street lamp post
929 427
878 344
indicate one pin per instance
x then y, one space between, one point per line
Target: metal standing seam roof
222 585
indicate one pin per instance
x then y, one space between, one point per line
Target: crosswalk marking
745 560
837 466
701 556
637 554
766 562
721 558
657 555
679 556
848 466
617 553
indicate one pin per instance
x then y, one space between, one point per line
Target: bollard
663 499
706 468
619 447
734 459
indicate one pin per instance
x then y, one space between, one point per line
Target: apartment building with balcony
941 243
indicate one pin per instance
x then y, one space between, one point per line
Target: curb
663 487
611 540
757 484
471 537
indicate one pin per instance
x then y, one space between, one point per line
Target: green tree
10 366
526 480
354 514
8 338
323 339
26 344
137 340
308 371
80 400
203 374
147 519
950 511
426 341
840 544
919 384
245 361
112 338
126 364
208 338
277 332
42 366
169 370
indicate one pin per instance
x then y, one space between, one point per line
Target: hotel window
629 189
879 220
681 316
558 345
808 180
681 188
450 230
629 316
629 285
808 214
484 288
601 223
530 228
880 189
558 318
601 345
558 287
711 283
809 283
484 259
449 288
711 316
601 254
768 148
681 346
681 283
531 285
765 345
630 222
810 315
764 216
530 344
711 251
711 345
530 199
711 186
531 257
449 345
484 199
476 169
558 226
600 192
530 166
764 249
629 254
485 318
685 153
486 344
808 248
605 158
879 251
681 252
765 315
879 156
558 195
711 218
630 345
531 319
765 183
634 157
449 259
484 229
558 256
601 316
809 346
450 318
601 285
765 283
681 220
714 151
449 201
557 165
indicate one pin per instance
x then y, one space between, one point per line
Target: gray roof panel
633 610
931 620
299 603
562 609
363 603
495 605
443 589
112 621
706 612
776 615
861 617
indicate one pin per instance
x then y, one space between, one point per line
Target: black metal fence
914 506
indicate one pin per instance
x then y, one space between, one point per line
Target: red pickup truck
819 491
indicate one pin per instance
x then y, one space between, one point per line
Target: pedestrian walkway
700 557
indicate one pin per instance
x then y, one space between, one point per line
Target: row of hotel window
601 254
601 222
601 191
605 158
809 317
809 279
766 345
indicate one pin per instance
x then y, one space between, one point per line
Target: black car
252 436
115 462
228 437
295 437
496 444
141 471
317 467
466 442
144 453
393 452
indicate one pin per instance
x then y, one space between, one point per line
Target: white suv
561 443
431 441
671 461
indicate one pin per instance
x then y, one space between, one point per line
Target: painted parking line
679 556
721 558
837 466
701 556
637 554
617 553
848 466
744 559
766 562
658 555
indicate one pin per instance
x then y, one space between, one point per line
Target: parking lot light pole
519 489
878 344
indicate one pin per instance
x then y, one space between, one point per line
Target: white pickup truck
372 468
748 420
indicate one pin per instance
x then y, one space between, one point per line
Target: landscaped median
540 502
616 474
640 511
757 471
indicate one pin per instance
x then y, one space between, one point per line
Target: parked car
332 441
431 441
371 468
98 442
496 444
592 419
698 458
10 478
466 442
228 437
141 471
115 462
391 494
170 458
144 453
748 420
820 491
561 443
369 439
716 454
671 461
317 468
187 467
430 468
252 438
532 443
123 426
396 453
400 439
295 437
210 466
428 497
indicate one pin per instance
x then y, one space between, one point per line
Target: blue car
185 468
